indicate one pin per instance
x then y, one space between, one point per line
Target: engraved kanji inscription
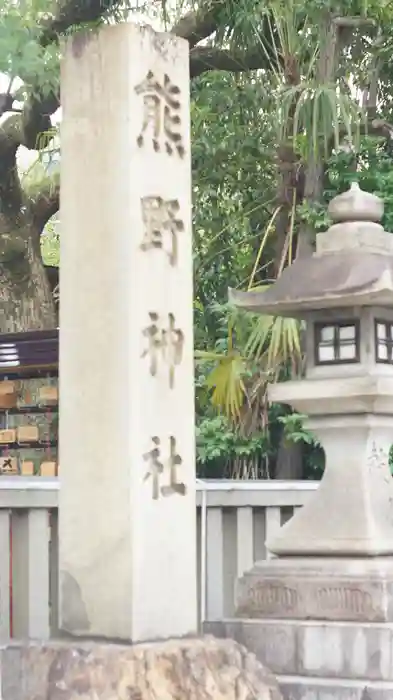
156 468
161 225
161 114
167 341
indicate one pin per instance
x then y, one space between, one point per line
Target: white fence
234 519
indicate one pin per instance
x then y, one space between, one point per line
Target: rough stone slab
332 589
333 649
325 689
190 669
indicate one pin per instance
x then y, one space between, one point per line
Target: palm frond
275 342
321 112
226 381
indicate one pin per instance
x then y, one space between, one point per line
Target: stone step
306 688
337 650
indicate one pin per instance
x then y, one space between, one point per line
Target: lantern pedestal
351 513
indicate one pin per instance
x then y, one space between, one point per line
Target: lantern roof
352 265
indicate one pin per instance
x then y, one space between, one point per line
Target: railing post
215 564
4 574
203 552
30 573
273 524
245 540
54 574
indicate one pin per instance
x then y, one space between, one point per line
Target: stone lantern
333 560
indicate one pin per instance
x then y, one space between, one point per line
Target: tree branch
35 118
71 13
354 22
25 128
204 59
36 113
200 24
45 203
194 26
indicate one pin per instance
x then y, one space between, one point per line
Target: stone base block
185 669
331 650
320 661
294 688
318 589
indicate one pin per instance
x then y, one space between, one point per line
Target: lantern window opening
384 341
337 343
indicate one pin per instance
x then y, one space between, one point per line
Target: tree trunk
290 456
26 301
287 167
313 190
287 172
289 460
314 172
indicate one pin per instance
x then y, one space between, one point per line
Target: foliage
233 192
295 432
21 55
315 116
285 124
221 452
374 174
50 244
294 429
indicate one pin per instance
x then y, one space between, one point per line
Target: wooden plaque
7 436
27 433
48 395
48 469
7 387
27 468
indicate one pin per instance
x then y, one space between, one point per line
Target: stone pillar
127 530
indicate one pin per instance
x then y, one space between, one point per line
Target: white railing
234 519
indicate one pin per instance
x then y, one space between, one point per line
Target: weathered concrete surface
189 669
